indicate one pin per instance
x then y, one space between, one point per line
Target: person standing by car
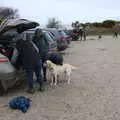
42 44
31 61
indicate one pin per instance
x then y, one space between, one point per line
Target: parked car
65 36
9 76
61 42
69 33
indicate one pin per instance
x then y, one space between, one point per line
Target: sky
66 11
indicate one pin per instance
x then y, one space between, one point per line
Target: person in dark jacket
115 34
43 45
56 58
31 61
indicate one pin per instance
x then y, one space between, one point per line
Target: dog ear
51 68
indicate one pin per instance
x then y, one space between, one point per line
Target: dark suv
65 36
62 43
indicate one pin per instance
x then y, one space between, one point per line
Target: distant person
84 34
99 36
80 34
115 35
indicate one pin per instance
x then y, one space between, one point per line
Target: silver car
8 74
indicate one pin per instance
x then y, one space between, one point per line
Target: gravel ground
93 93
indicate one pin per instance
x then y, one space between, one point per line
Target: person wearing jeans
38 72
31 62
42 45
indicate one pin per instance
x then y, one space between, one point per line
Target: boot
31 90
42 87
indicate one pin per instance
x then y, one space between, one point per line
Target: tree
53 23
97 25
108 23
6 12
76 24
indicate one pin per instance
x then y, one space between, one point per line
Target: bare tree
6 12
76 24
53 23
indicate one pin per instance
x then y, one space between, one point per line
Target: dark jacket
28 54
42 45
56 58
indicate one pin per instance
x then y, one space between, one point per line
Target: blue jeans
38 71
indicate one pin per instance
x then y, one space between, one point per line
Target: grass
102 31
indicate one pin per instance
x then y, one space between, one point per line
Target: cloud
66 10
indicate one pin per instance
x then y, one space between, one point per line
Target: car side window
48 37
52 36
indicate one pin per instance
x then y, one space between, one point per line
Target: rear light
63 38
68 37
3 59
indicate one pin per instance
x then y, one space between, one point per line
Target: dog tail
73 67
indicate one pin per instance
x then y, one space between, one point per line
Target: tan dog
53 72
68 71
63 72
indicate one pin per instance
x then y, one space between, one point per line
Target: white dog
68 71
53 72
58 72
